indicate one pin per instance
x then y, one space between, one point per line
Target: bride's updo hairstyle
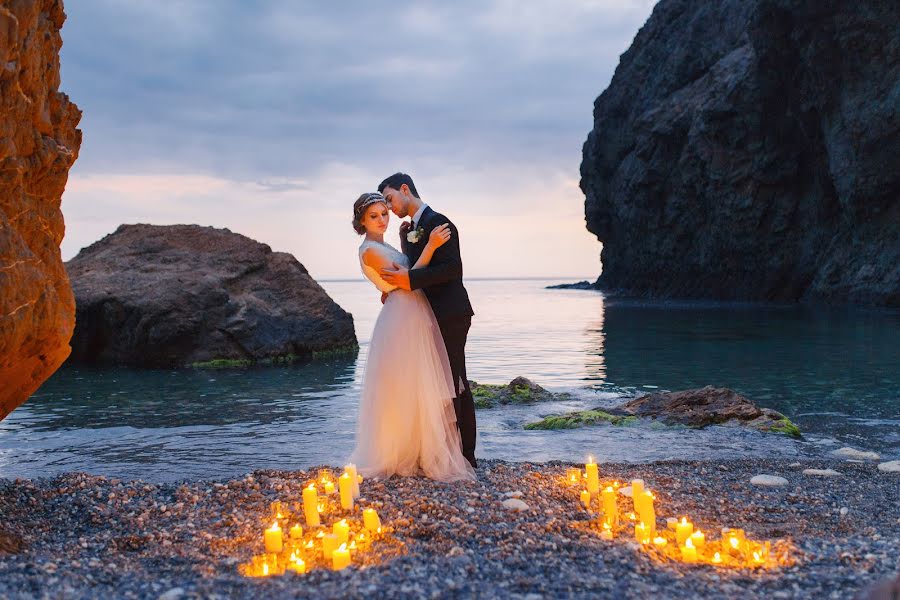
360 206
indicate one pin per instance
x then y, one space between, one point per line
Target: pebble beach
83 536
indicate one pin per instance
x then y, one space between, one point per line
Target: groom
442 283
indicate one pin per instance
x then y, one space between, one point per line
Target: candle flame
733 541
717 558
265 569
659 541
590 459
688 543
684 521
274 527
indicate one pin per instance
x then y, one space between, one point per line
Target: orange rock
39 142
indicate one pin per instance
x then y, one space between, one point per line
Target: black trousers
455 331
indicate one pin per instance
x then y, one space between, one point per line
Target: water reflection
835 372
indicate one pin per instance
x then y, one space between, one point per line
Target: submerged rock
39 143
693 408
177 295
520 390
581 418
709 406
747 150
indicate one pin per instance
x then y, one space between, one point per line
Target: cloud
270 99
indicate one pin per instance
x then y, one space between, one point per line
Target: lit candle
346 486
342 530
683 530
610 510
698 539
329 545
593 476
659 542
311 505
273 539
637 488
688 552
340 558
371 520
647 512
297 566
351 471
296 532
573 476
607 533
641 534
717 558
586 499
328 486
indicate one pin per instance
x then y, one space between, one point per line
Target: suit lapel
415 250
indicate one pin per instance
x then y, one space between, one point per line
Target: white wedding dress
406 423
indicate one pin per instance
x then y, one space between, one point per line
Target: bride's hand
439 236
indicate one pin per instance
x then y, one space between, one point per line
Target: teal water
835 372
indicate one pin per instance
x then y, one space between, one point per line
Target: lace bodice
390 253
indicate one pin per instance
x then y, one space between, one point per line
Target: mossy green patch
787 427
581 418
222 363
281 359
337 351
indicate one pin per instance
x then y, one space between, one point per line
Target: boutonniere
415 235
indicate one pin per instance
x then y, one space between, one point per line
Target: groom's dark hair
396 180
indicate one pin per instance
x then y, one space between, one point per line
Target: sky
270 118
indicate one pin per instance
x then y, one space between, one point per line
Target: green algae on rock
581 418
519 391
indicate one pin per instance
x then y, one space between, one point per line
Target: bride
407 424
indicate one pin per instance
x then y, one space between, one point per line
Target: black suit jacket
442 279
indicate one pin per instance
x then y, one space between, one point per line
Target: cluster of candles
294 547
678 540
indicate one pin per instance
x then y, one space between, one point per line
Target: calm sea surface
836 373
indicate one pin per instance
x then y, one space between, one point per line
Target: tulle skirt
407 424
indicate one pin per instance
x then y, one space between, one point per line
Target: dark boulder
176 295
708 406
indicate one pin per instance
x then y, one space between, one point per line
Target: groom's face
397 201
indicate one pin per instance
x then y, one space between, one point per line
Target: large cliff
39 142
750 150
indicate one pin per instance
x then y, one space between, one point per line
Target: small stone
456 551
891 466
844 511
513 494
822 472
625 491
848 452
795 465
514 504
768 480
173 594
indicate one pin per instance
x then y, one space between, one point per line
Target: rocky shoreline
82 536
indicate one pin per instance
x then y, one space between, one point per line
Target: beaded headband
373 198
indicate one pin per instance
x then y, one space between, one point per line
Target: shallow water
836 373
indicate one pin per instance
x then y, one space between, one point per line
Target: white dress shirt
418 215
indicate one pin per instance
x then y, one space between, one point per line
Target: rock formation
750 150
39 142
175 295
